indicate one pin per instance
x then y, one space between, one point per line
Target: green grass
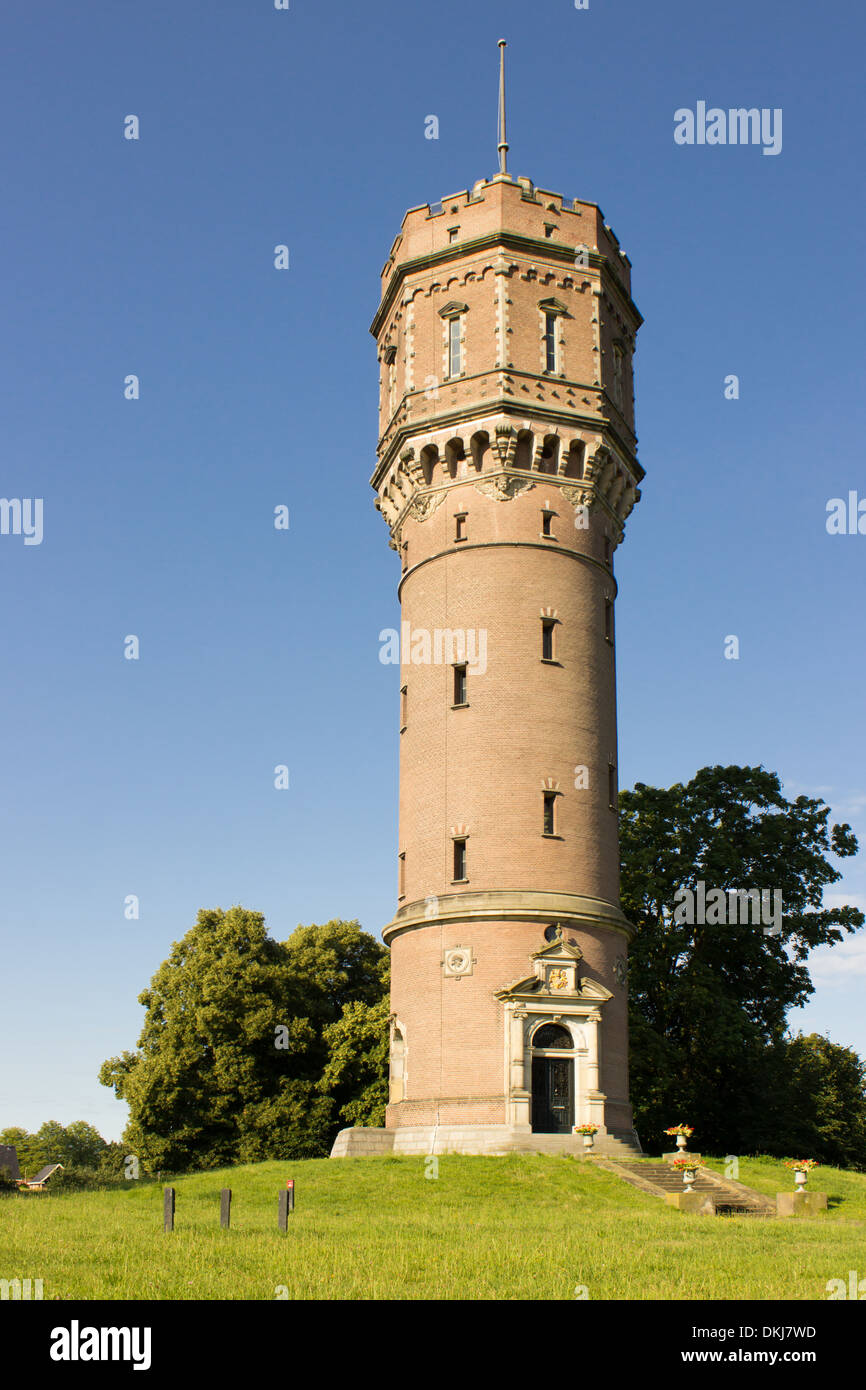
488 1228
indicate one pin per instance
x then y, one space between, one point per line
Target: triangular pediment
518 988
558 949
454 306
577 990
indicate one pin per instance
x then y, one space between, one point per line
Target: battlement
501 206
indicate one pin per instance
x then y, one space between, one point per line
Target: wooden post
283 1211
225 1207
168 1209
290 1188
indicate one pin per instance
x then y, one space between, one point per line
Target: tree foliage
235 1041
817 1102
77 1145
356 1073
708 1003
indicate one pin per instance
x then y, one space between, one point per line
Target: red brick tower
506 470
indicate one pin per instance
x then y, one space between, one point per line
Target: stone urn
800 1177
682 1142
588 1141
689 1176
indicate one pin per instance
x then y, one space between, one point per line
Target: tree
30 1158
707 1001
78 1145
233 1043
356 1073
822 1102
112 1160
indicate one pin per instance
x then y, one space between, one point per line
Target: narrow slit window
550 342
608 620
402 885
549 819
404 695
460 685
459 859
617 375
460 526
547 626
611 786
546 523
454 365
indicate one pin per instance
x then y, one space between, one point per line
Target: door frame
544 1055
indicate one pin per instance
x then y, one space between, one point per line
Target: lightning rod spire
502 147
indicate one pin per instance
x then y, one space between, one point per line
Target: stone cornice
513 241
517 410
571 909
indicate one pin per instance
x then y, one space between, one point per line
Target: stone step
731 1198
573 1144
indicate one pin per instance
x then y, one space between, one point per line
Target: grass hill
520 1227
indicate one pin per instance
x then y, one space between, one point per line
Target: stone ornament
458 961
503 486
422 507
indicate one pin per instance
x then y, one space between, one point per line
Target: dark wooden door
552 1095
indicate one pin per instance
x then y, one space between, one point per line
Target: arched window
574 462
454 454
480 447
523 452
552 1035
549 461
429 459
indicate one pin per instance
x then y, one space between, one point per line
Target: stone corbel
627 501
505 443
412 467
616 491
388 508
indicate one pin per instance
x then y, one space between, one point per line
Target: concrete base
800 1203
680 1153
698 1203
476 1139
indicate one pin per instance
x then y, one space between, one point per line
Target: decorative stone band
510 905
589 471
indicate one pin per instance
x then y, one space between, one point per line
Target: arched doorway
552 1080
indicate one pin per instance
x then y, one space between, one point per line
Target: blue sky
258 387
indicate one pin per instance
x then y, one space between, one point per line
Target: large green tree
234 1041
707 1002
